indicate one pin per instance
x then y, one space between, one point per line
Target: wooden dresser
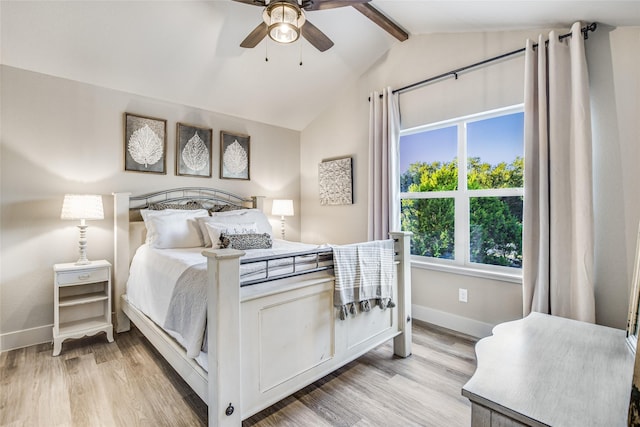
550 371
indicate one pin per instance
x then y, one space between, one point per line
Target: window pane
428 160
432 223
496 230
494 152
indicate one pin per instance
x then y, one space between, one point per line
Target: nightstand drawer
84 276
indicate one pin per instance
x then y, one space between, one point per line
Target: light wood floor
127 383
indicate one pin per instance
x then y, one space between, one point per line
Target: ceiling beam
383 21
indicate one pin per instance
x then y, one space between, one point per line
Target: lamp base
282 226
82 243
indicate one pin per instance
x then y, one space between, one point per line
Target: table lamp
83 207
282 208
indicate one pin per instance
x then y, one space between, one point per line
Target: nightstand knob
84 276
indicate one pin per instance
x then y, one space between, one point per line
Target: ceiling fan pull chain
266 51
298 23
300 54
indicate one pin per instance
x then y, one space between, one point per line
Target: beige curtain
384 131
558 213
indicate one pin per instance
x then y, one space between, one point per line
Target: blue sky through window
438 145
494 140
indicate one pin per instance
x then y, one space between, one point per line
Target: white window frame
462 264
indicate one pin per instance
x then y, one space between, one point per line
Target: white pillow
233 212
214 230
146 213
246 215
234 221
173 228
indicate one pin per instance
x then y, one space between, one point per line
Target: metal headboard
202 194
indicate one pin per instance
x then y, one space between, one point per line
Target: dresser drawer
84 276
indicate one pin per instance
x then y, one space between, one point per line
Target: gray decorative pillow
245 241
187 206
224 208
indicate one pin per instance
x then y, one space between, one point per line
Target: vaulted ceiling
188 51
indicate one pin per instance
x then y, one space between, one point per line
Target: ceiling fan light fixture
284 21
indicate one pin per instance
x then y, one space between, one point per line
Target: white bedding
154 273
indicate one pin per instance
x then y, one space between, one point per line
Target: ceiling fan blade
255 36
379 18
329 4
316 37
260 3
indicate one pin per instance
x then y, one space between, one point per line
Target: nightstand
82 301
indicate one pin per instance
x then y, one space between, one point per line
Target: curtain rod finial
591 27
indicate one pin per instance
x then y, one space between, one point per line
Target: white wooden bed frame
265 341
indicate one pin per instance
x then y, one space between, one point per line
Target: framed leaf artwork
234 156
193 150
145 144
335 179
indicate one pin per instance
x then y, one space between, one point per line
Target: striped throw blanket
365 274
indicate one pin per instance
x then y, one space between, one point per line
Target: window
461 190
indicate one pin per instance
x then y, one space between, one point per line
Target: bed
268 334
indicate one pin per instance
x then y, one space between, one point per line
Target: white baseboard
26 338
454 322
475 328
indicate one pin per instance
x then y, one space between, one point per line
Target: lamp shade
282 207
82 206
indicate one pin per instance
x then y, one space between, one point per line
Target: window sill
469 271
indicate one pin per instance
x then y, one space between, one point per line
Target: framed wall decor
335 178
145 144
193 150
234 155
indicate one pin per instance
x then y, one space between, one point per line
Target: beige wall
59 136
340 131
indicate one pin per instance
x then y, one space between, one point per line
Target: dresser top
547 370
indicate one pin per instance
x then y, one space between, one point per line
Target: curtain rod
585 31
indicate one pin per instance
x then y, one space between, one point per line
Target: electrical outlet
462 295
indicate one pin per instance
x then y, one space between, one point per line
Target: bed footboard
238 386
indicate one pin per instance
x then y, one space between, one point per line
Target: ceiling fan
285 21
